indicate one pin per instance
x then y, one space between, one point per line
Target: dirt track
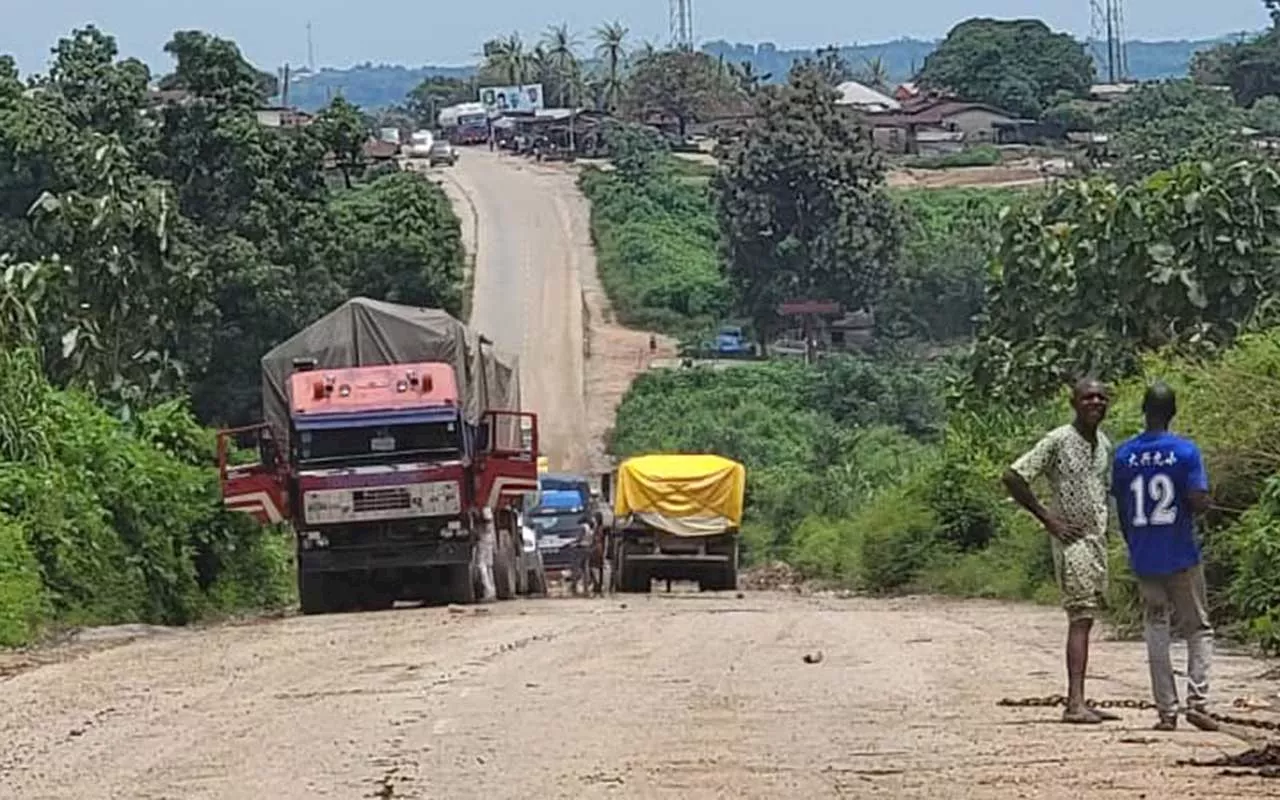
683 696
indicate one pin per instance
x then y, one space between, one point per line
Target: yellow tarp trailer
684 495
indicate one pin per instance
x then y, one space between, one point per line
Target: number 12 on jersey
1160 490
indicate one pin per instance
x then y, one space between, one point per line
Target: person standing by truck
485 546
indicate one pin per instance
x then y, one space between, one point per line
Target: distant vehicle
420 143
677 517
442 152
465 123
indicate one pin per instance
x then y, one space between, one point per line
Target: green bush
986 155
120 522
656 246
23 604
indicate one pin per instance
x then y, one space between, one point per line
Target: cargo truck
391 436
676 517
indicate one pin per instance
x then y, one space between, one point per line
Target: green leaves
1101 274
1020 66
802 211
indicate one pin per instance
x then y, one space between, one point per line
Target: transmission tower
682 24
1107 23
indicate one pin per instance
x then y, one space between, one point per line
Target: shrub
655 240
106 522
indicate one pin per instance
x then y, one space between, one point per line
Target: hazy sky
415 32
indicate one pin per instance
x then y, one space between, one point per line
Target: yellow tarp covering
692 493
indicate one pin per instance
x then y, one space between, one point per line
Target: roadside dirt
686 695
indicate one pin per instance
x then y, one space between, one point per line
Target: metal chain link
1051 700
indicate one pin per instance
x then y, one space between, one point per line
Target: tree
1017 65
99 92
562 60
1161 124
682 84
801 206
341 128
610 44
402 242
434 93
875 74
1183 259
213 68
506 60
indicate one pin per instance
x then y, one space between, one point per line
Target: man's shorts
1081 570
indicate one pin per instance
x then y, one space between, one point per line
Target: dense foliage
655 239
106 522
153 245
1018 65
801 205
1097 275
949 236
1159 125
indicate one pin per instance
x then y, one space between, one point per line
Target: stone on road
683 696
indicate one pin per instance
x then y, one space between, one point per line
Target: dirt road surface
681 696
537 294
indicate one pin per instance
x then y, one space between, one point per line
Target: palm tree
747 78
507 58
609 49
875 74
561 49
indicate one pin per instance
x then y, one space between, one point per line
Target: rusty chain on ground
1049 701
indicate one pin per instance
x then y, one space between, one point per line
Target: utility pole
681 24
1107 24
311 50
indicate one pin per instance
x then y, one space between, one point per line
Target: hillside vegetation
882 472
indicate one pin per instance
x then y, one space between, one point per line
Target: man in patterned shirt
1075 460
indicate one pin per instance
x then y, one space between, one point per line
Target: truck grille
367 500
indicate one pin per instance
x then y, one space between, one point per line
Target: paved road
530 242
685 696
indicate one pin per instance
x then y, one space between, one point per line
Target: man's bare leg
1077 665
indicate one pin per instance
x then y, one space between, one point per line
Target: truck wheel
504 567
731 571
633 576
537 583
311 593
462 587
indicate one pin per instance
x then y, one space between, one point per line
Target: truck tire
311 593
504 567
633 577
462 586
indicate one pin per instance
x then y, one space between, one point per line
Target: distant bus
465 123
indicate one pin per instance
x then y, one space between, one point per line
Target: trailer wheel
632 576
311 593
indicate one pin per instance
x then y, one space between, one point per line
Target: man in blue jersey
1159 483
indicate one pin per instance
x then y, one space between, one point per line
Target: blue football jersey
1152 476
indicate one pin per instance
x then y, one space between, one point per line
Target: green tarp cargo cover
363 332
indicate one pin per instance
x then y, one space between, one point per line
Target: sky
417 32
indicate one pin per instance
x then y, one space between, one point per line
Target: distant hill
902 58
378 86
367 85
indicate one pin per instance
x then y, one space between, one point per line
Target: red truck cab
384 481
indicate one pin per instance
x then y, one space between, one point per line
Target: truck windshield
379 443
